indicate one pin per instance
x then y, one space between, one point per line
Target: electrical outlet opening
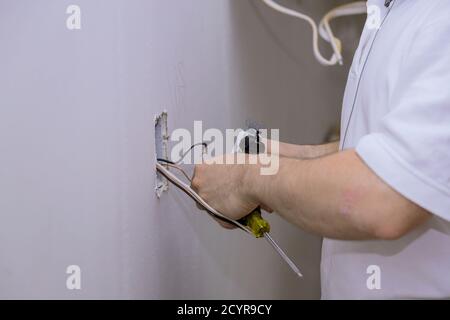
161 145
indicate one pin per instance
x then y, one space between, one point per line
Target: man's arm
303 151
336 196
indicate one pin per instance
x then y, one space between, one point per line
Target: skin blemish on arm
349 200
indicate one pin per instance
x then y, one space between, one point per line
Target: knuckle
195 184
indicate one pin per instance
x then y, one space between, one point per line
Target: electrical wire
170 162
356 8
204 144
327 62
324 29
181 170
165 161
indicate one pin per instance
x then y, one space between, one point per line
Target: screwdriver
260 228
250 143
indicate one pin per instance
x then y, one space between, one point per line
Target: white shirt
400 127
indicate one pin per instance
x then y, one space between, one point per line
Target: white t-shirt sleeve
411 149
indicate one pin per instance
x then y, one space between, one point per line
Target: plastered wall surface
77 149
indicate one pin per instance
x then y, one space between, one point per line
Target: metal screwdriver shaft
250 143
282 254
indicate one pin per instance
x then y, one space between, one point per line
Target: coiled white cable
324 27
355 8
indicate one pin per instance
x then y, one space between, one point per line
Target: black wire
165 161
204 144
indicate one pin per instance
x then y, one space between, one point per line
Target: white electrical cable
355 8
324 27
179 169
336 56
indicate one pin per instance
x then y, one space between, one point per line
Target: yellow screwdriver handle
256 223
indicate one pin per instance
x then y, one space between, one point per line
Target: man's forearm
336 196
304 151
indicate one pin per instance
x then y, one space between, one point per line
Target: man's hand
221 186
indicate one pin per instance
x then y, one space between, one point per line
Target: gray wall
77 154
